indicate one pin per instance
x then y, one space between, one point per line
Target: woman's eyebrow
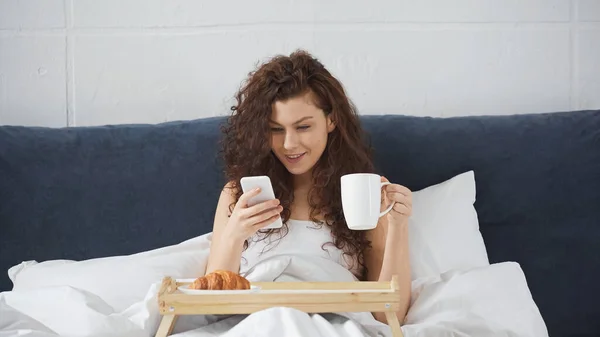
296 122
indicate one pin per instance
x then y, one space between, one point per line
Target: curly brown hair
247 151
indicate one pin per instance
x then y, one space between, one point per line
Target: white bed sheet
485 301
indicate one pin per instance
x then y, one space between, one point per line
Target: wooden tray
310 297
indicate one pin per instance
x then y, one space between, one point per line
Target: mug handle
391 205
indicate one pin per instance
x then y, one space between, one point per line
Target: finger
385 206
402 209
261 207
243 201
265 223
266 218
384 179
398 188
384 197
399 198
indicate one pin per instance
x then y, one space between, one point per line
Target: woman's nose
290 141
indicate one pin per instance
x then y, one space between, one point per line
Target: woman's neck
300 207
302 182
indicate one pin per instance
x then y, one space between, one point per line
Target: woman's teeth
294 158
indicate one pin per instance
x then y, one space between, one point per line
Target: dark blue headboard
90 192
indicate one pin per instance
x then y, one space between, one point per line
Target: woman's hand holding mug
362 196
401 199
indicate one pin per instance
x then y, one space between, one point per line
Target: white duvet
65 298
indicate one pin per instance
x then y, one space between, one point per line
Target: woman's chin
297 171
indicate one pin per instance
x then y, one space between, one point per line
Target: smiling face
299 131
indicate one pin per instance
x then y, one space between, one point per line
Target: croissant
221 280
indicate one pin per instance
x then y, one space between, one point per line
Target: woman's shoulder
228 196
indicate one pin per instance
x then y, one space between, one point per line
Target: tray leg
166 325
392 321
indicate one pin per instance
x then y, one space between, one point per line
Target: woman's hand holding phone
246 220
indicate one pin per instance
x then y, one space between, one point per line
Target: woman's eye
274 129
303 127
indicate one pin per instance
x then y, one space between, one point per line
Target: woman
294 123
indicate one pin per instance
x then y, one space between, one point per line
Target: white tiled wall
89 62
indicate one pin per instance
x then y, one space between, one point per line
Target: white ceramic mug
361 200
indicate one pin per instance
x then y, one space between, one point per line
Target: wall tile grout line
574 56
3 96
342 25
137 31
69 64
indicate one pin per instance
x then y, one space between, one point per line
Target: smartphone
266 193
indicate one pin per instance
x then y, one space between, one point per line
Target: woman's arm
389 254
225 252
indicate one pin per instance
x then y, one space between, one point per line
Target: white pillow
485 302
444 229
120 281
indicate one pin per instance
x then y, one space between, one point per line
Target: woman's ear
330 124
